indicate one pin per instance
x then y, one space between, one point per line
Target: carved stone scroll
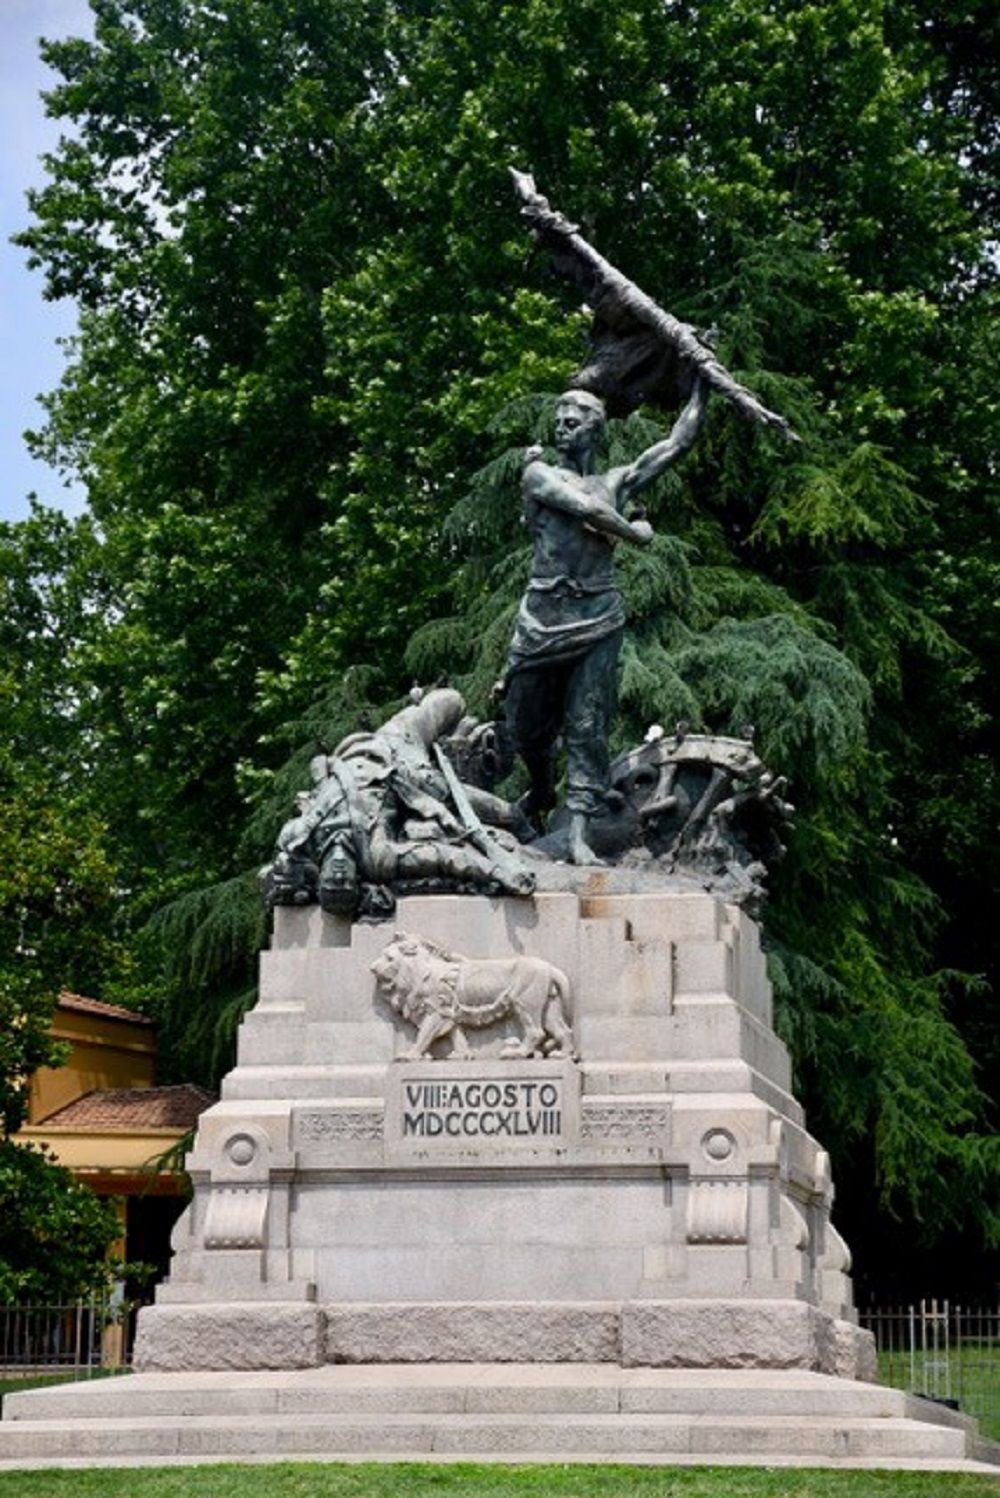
717 1212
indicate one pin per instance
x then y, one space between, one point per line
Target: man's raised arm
650 464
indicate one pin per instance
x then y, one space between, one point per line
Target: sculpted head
579 425
402 976
339 880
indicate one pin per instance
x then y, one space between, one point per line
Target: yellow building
102 1116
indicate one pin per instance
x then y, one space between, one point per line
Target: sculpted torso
563 546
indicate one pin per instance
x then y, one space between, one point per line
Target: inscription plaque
489 1111
480 1108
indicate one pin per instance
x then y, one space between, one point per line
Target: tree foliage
57 875
57 909
54 1231
314 339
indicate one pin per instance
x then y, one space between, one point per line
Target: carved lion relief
444 995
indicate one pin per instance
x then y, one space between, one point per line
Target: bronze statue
410 807
561 677
387 814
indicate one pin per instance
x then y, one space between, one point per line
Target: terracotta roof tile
82 1005
126 1109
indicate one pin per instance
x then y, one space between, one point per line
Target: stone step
501 1411
502 1388
555 1435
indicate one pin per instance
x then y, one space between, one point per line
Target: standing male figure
562 673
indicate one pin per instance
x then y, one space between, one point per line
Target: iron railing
80 1338
943 1351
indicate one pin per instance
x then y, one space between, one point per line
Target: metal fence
81 1338
943 1351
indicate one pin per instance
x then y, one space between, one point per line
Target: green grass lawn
465 1480
969 1372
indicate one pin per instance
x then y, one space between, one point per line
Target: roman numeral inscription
482 1109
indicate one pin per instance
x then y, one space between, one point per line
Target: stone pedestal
653 1201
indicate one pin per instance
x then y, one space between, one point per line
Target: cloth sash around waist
561 618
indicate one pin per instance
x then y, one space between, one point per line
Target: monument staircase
489 1411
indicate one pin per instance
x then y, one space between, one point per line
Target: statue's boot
580 851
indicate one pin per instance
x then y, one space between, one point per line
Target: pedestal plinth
651 1199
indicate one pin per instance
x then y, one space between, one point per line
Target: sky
30 357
